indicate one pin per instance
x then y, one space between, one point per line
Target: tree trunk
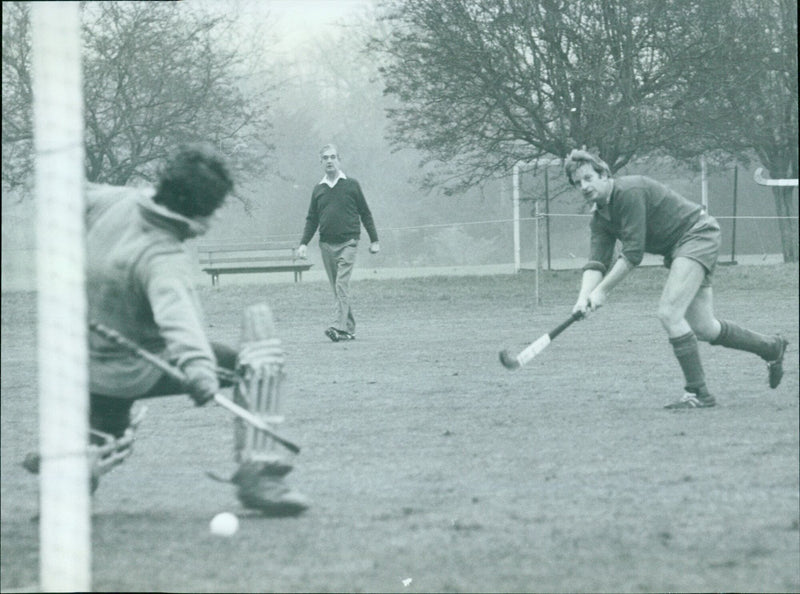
786 208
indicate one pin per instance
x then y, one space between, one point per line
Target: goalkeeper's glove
202 389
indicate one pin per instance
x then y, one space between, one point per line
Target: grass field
427 461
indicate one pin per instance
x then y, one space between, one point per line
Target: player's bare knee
668 315
704 325
705 331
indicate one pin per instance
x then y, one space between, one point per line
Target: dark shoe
261 487
346 335
332 333
691 400
775 367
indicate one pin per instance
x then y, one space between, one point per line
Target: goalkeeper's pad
260 376
259 368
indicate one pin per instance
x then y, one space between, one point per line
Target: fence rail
563 243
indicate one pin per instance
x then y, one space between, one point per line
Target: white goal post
65 505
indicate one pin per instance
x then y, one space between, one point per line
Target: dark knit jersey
338 212
645 215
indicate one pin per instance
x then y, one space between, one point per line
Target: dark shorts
700 243
112 414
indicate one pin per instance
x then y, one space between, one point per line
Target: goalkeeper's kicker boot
261 487
105 452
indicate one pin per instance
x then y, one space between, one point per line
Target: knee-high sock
734 336
688 355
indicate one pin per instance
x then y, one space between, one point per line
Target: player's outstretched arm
591 278
599 295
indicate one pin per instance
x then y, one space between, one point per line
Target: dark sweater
645 215
338 212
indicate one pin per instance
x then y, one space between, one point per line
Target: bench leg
214 280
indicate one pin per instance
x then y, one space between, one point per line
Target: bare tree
155 74
483 84
743 99
17 134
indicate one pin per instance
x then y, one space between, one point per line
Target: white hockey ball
224 524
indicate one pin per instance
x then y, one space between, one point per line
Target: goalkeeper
140 284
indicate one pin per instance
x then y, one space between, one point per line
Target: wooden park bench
244 258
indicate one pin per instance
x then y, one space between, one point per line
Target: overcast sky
296 20
301 14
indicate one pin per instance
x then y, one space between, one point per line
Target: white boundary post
65 505
538 242
703 183
515 201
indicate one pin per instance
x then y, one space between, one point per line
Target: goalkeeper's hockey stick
175 373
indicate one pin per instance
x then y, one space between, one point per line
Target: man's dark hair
577 158
194 181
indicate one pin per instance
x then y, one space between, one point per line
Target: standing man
646 216
338 208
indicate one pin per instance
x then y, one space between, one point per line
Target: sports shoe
775 367
332 333
261 487
692 400
346 335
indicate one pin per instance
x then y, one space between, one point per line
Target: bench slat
285 251
244 247
245 259
244 269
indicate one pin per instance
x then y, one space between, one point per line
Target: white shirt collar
329 183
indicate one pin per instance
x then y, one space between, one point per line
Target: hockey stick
758 177
537 346
173 372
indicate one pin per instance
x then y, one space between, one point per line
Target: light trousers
339 260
